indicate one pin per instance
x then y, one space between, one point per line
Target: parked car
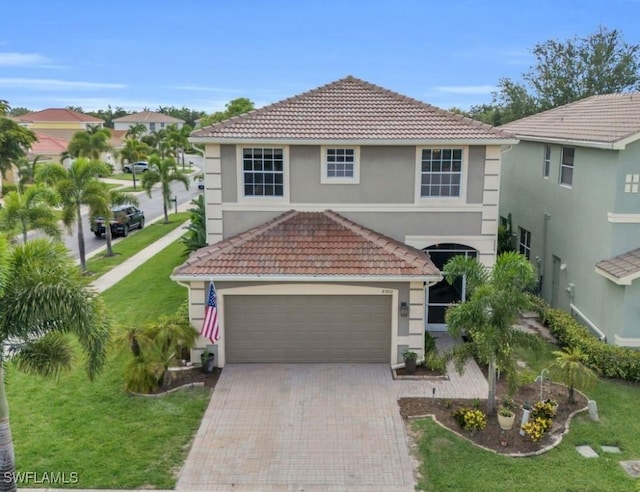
138 167
125 218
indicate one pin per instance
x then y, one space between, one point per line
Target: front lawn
451 463
134 243
95 429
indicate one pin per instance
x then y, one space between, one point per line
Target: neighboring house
329 217
58 122
572 188
152 120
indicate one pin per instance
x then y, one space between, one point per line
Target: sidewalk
119 272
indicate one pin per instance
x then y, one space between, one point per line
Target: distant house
60 123
152 120
572 189
330 215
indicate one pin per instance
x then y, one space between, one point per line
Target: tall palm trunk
81 250
7 457
491 403
166 212
108 235
133 173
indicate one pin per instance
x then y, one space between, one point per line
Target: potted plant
410 359
506 415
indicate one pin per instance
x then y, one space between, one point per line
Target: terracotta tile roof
48 145
604 119
309 244
626 265
58 114
351 109
148 116
117 137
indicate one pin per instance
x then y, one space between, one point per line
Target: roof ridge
349 84
385 242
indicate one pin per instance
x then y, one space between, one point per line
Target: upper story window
161 125
524 245
263 171
340 165
566 166
547 161
152 127
441 172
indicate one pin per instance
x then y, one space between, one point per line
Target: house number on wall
387 291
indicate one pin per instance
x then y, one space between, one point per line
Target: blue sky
204 53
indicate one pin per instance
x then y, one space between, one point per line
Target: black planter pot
410 366
207 359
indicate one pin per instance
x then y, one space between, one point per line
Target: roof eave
306 278
568 141
625 280
348 141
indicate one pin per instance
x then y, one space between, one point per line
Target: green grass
95 429
451 463
138 240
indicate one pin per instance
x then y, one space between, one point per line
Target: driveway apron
311 427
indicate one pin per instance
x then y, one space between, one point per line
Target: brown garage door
307 328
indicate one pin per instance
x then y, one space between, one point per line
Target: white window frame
464 175
326 179
524 247
563 166
244 199
152 127
546 162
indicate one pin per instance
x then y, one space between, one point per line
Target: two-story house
329 218
152 120
572 188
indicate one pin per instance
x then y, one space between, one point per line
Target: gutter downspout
543 263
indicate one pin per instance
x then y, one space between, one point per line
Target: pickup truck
125 218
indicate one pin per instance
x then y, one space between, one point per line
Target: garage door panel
307 328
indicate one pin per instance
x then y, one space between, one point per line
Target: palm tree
154 137
15 140
133 151
30 209
571 363
196 236
136 131
163 171
27 171
90 143
178 140
77 186
496 297
115 198
43 300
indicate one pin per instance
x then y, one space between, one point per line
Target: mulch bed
176 379
492 437
420 372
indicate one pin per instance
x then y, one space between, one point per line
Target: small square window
340 165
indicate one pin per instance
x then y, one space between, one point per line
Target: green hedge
611 360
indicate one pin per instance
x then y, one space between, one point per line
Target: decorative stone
632 468
593 410
521 364
587 451
610 449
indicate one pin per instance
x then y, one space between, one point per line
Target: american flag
211 326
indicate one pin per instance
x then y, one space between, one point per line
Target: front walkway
311 427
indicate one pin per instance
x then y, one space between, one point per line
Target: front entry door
441 295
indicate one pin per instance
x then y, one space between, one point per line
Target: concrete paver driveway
294 427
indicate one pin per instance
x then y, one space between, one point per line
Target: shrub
470 420
544 410
612 361
537 428
7 188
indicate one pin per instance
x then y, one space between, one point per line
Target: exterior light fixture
404 309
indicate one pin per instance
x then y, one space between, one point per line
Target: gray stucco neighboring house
329 217
572 188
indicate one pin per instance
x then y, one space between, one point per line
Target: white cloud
9 59
56 84
466 89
